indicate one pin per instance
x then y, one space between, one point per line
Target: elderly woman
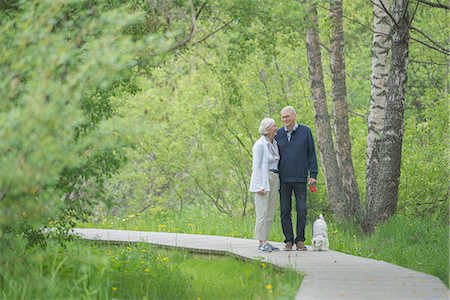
264 182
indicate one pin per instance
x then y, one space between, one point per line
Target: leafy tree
61 62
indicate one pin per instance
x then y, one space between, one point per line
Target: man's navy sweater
297 156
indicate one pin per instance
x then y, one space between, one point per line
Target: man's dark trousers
299 189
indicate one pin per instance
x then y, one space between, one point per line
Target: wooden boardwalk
328 275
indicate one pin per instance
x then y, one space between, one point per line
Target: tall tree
379 79
333 180
383 185
340 111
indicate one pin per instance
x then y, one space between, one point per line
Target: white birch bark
383 203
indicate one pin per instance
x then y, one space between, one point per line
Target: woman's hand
261 192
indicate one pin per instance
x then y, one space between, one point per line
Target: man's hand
312 181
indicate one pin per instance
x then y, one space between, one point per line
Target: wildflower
264 265
165 259
269 288
147 270
114 289
143 251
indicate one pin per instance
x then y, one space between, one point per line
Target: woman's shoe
274 249
265 248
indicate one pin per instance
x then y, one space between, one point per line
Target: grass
419 244
230 278
87 270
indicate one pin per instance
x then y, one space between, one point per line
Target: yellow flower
165 259
114 289
264 265
147 270
269 287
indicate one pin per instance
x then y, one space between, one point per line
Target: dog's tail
321 217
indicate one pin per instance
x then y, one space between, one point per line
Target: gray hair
266 123
289 109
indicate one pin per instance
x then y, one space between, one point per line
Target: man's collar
294 129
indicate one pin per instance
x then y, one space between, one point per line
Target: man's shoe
301 246
288 246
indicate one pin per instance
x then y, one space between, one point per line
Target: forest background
111 109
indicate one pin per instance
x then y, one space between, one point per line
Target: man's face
288 119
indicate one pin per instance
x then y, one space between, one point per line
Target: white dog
320 235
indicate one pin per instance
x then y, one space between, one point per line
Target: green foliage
250 280
97 116
61 62
139 271
425 177
82 270
52 272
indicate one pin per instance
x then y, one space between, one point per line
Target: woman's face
272 130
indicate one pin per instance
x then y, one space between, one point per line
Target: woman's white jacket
260 166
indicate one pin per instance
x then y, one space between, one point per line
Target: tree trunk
333 180
383 202
380 50
340 110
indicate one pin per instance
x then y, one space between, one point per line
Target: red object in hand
312 188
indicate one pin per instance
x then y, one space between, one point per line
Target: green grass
419 244
230 278
88 270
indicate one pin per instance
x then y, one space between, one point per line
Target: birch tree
381 202
379 79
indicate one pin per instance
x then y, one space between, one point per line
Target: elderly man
297 162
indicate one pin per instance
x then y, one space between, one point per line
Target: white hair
289 109
266 123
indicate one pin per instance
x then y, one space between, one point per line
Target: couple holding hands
283 160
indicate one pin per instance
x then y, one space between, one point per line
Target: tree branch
431 47
413 61
193 29
385 10
351 20
437 46
447 51
437 5
215 31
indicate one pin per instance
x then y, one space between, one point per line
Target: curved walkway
328 275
